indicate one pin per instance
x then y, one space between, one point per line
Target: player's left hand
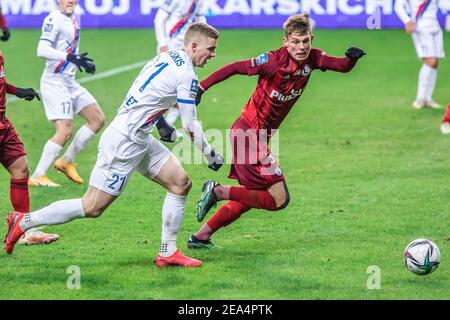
166 132
215 160
27 94
354 53
6 34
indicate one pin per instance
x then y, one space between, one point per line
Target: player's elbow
285 203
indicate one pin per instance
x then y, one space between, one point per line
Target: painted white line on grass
101 75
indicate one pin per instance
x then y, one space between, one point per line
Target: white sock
58 212
431 84
424 76
49 154
172 217
81 139
172 115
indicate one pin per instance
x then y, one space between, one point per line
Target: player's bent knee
99 122
182 186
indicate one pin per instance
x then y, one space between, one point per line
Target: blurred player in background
445 125
171 22
4 27
13 158
283 76
63 96
127 146
420 19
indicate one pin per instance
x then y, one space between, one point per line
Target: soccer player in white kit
420 19
126 146
63 96
171 22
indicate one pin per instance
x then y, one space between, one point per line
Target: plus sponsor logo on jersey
2 72
280 97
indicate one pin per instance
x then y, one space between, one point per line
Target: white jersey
167 79
179 14
63 34
423 12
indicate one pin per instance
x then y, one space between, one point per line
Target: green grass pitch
366 173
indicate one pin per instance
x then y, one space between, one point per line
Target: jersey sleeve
50 29
187 88
401 8
201 13
321 60
169 5
264 65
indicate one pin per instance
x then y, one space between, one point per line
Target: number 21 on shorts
116 182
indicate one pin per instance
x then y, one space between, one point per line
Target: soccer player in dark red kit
4 27
13 158
283 76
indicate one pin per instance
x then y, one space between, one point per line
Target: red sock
226 214
3 24
447 115
258 199
20 197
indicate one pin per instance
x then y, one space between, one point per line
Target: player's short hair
199 29
297 23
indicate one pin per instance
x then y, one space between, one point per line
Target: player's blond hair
297 23
200 29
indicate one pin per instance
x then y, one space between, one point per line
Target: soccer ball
422 256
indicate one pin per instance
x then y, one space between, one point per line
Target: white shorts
63 97
118 157
429 44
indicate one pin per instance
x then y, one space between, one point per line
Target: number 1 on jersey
161 66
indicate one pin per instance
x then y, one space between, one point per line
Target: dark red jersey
282 81
4 87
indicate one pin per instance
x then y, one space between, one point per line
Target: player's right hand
215 160
82 62
6 34
198 97
354 53
410 27
166 132
27 94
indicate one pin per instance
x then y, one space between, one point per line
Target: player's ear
312 38
285 41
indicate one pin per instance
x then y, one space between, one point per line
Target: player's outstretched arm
340 64
239 67
27 94
195 132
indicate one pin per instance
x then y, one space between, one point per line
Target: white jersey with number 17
167 79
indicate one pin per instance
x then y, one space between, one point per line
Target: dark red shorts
11 148
253 164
